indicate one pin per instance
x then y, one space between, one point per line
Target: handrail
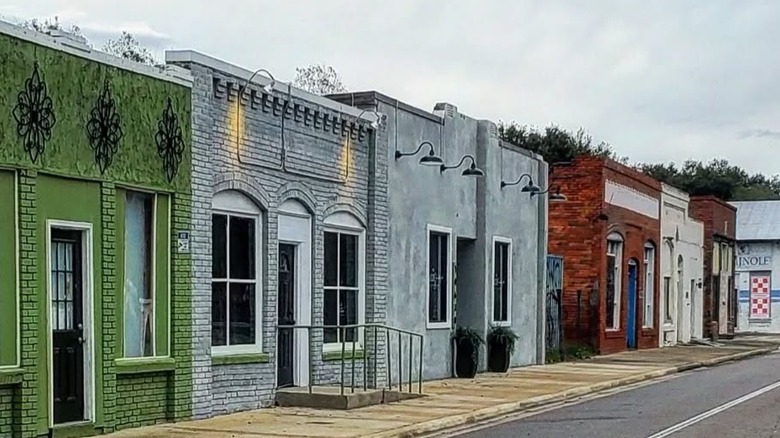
367 328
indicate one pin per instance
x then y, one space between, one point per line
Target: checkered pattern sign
760 290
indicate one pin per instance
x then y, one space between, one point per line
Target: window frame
158 278
338 223
499 240
649 286
619 241
229 207
447 323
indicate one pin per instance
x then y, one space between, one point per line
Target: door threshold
77 423
73 429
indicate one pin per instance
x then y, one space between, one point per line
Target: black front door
67 325
286 315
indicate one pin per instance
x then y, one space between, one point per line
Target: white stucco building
758 266
682 268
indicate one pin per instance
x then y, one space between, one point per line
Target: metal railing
371 350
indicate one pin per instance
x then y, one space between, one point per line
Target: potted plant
501 345
467 342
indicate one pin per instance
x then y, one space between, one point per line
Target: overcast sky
661 80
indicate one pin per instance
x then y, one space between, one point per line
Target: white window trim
649 287
257 347
447 324
88 304
614 237
508 322
345 223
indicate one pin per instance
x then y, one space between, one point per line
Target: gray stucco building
303 215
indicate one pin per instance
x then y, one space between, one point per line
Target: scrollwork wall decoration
170 144
104 128
34 115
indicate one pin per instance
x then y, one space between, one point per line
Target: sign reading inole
750 262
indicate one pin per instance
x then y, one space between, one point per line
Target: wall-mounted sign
754 262
183 240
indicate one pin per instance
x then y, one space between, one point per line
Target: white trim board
88 315
508 241
444 230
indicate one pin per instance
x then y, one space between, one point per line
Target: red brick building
608 232
720 293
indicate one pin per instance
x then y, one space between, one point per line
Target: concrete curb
441 424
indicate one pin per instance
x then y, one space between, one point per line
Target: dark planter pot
465 367
498 358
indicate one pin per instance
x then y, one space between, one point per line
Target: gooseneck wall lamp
530 187
431 159
472 170
555 196
376 123
268 88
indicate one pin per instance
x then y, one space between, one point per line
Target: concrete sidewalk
455 402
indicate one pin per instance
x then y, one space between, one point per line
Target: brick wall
327 167
719 219
144 400
578 231
28 262
6 411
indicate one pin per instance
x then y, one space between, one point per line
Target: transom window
235 286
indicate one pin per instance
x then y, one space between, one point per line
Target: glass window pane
348 260
218 314
348 312
497 283
242 248
504 281
242 314
219 246
331 259
610 291
139 212
331 314
443 280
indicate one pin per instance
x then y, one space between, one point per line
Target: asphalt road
734 400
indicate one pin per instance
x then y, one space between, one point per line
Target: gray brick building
311 220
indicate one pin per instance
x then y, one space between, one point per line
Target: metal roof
758 220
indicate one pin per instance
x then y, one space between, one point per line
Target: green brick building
95 270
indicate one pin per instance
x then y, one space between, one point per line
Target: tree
319 79
126 46
554 143
47 25
717 178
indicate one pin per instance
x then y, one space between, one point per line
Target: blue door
631 310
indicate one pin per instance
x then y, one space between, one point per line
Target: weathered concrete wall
682 238
763 259
475 210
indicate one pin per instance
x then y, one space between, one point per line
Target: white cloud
661 81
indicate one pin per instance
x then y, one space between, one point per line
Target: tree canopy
318 79
125 46
717 177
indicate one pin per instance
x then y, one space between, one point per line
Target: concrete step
329 397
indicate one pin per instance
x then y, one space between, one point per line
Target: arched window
345 273
236 284
649 293
614 275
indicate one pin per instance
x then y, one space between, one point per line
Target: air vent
445 110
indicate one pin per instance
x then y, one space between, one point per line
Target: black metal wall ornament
34 115
170 144
104 128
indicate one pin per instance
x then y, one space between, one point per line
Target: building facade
608 233
682 270
756 265
720 293
463 249
94 268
